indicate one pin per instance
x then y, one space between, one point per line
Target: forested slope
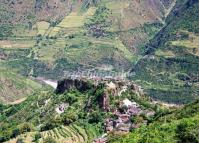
169 70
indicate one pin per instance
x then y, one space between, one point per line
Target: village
127 116
123 122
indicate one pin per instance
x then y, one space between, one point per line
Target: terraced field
17 43
165 53
192 43
42 27
73 20
63 134
70 134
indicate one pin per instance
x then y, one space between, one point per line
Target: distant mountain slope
18 12
169 70
57 36
180 126
14 87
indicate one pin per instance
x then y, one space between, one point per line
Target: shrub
37 137
49 140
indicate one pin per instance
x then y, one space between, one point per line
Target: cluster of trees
8 131
5 31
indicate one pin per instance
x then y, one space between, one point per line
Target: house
150 113
61 108
124 117
109 125
134 111
102 139
124 127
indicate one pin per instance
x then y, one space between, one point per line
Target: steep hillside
178 127
14 87
18 12
169 70
100 35
76 112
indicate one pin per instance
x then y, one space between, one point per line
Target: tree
136 119
15 132
69 117
37 137
25 127
5 30
95 117
184 134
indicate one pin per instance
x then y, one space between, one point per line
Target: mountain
169 69
126 71
77 112
80 113
100 35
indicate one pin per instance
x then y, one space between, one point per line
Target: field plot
165 53
91 11
54 31
192 43
113 5
70 134
21 43
73 20
42 27
63 134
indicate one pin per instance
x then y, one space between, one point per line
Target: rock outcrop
102 90
68 84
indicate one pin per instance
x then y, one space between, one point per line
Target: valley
99 71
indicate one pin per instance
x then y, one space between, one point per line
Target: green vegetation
173 52
38 113
85 38
48 38
65 116
12 83
177 127
5 31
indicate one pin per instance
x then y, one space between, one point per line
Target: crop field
63 134
90 11
53 31
83 50
18 43
165 53
42 27
73 20
23 31
113 5
192 44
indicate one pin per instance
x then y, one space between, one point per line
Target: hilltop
82 111
79 111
